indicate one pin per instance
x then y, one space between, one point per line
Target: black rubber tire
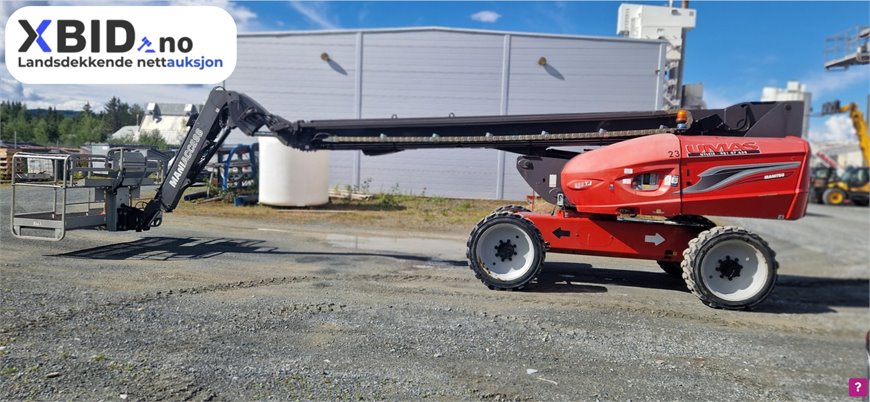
693 258
672 268
511 208
537 246
862 202
833 194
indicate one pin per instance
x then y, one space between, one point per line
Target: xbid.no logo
71 37
120 45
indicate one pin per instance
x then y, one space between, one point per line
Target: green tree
40 131
14 123
88 128
52 129
137 114
65 129
85 127
116 114
152 138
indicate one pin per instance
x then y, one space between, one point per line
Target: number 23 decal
673 154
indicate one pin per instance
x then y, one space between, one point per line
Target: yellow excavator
854 184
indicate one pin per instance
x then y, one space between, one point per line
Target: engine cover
668 175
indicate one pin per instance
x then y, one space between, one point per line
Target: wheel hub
505 250
729 268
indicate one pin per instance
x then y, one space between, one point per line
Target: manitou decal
774 176
722 149
723 176
188 153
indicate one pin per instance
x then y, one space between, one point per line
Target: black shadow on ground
792 295
812 295
818 215
585 273
563 280
192 248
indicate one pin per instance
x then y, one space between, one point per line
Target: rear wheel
729 267
511 209
505 251
834 196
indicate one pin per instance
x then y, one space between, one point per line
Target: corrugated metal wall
436 72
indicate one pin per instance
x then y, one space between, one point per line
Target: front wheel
729 267
511 208
506 251
834 196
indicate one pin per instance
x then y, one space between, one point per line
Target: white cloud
73 97
316 13
246 19
486 16
363 14
826 83
716 99
555 15
838 129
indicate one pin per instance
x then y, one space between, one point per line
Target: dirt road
224 309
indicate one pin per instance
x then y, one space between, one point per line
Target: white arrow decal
654 239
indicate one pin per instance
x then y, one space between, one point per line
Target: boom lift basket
53 193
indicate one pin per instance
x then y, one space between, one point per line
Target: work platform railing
53 193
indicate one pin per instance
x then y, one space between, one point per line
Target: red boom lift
639 188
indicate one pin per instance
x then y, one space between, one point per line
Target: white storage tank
292 178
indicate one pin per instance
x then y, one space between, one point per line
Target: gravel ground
229 309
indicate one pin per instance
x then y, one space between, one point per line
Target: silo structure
292 178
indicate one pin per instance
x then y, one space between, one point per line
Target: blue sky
736 49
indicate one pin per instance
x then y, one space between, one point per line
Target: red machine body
668 175
589 235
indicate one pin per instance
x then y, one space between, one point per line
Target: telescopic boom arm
524 134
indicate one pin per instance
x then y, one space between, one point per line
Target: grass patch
388 211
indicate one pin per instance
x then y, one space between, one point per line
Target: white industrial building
415 72
167 119
793 91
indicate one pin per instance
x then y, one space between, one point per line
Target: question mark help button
857 387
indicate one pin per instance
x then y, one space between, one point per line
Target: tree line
58 128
